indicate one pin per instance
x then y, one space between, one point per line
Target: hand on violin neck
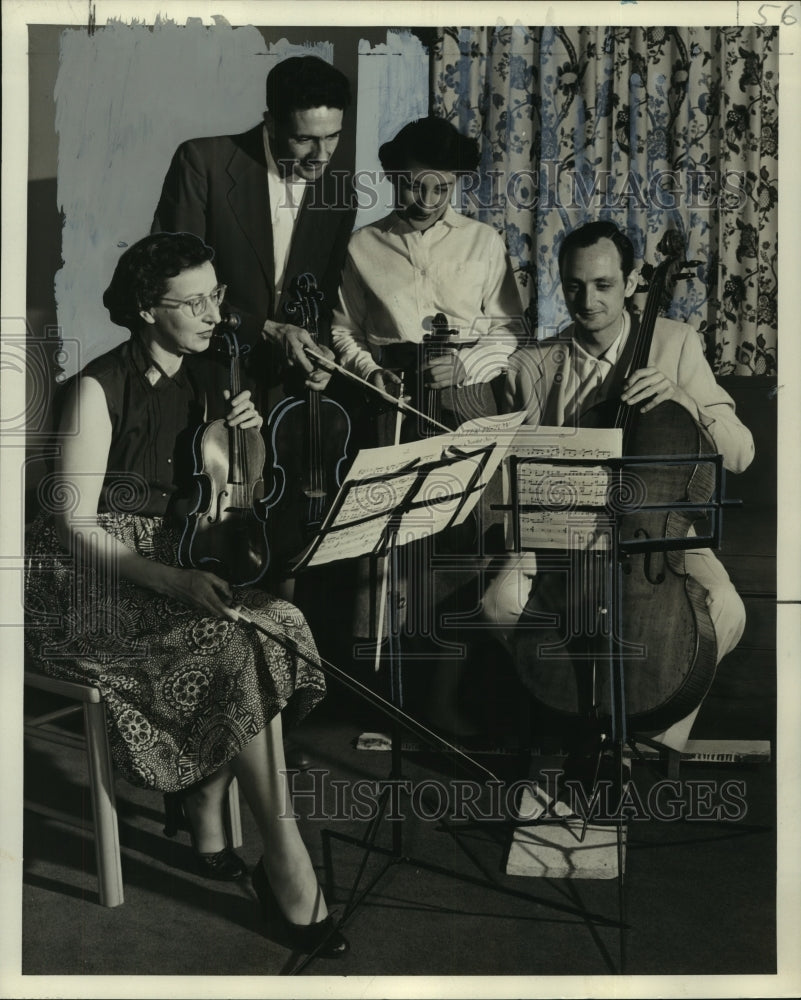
648 387
201 590
242 413
444 371
293 340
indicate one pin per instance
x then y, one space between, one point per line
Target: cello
309 435
668 641
225 532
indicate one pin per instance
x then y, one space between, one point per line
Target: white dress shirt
396 279
286 196
586 373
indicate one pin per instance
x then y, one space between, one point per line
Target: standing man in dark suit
270 208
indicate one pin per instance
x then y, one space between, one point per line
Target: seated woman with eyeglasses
194 696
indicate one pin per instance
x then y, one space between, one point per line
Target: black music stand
404 501
407 504
610 525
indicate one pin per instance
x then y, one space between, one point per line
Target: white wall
127 95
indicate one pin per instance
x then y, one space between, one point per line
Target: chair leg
104 808
233 817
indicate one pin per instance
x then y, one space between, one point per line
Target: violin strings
238 450
315 424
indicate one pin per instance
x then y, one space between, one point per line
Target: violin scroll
304 305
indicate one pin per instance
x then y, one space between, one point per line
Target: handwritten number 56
788 17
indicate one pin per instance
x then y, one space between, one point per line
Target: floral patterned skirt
184 693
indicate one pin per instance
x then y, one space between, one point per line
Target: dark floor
699 893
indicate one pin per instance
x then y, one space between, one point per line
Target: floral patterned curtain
649 127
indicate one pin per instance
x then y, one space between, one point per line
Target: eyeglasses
196 306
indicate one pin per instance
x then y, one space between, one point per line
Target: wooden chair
101 776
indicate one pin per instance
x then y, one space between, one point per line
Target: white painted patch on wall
127 95
125 98
393 90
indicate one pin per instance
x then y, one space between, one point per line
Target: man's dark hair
303 82
142 272
589 234
431 142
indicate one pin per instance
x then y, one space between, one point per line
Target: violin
408 359
667 641
436 344
309 434
225 532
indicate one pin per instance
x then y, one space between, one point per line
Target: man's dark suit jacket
217 189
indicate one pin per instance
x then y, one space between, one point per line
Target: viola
309 435
436 344
408 359
667 640
225 531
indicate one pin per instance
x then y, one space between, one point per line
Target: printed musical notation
437 478
567 442
548 529
348 542
561 490
369 499
562 487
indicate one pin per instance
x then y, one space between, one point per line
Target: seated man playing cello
558 379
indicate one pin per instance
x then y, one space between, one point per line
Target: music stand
608 525
375 515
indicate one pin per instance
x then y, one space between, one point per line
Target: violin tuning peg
231 321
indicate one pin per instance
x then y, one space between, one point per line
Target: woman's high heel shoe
322 935
223 865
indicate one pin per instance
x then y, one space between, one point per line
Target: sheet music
501 431
371 463
426 521
438 499
473 434
347 543
492 424
372 498
561 486
545 529
380 479
568 442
